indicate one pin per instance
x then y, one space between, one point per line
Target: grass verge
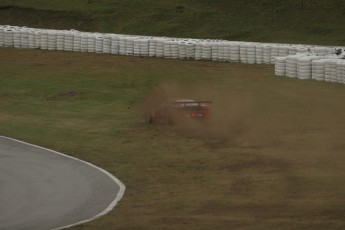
279 166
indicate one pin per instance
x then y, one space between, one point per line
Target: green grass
263 21
275 162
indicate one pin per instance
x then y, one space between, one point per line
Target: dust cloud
237 118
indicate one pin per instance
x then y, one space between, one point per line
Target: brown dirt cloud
237 119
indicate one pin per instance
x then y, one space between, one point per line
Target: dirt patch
236 120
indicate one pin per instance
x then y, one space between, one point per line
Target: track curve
45 189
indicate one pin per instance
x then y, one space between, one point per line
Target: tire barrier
304 67
316 66
280 66
259 53
318 70
341 72
320 63
235 52
251 53
165 47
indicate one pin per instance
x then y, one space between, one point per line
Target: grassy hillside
318 22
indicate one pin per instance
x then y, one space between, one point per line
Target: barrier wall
292 60
316 66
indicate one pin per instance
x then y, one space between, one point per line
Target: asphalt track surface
44 189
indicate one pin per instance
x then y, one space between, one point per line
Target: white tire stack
259 53
292 50
220 48
321 50
115 44
106 43
24 38
174 49
52 36
130 46
38 39
136 47
291 65
235 52
144 47
280 66
206 51
302 50
243 52
91 43
227 47
340 64
2 36
267 54
8 38
318 70
198 51
328 69
182 51
76 42
304 67
274 52
251 53
153 46
190 50
214 51
44 39
84 42
32 43
334 70
160 48
68 42
283 51
167 49
17 38
342 77
60 40
99 44
122 45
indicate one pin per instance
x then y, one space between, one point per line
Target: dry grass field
272 158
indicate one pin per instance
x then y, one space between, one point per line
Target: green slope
319 22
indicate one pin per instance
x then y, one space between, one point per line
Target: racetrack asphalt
44 189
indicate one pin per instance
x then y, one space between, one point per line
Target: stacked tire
280 66
320 63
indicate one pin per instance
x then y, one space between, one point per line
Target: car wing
197 104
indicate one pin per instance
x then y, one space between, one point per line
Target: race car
170 112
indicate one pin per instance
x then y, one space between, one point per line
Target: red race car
169 112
